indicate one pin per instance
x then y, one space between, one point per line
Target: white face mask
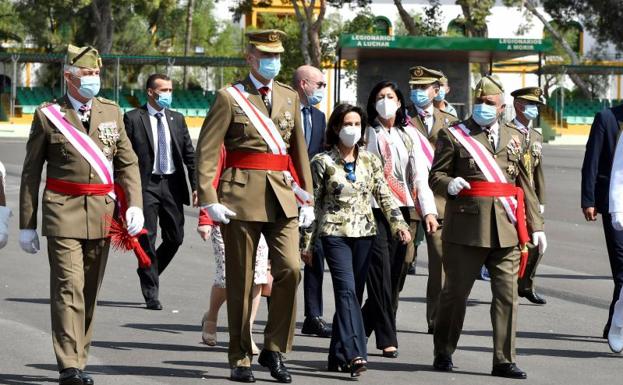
386 108
350 135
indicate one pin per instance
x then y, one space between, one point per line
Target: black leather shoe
411 269
443 363
316 326
86 379
242 374
274 362
390 353
508 371
70 376
533 297
154 304
431 329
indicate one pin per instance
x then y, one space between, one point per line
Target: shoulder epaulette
538 130
106 101
285 86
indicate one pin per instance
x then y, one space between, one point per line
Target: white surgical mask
350 135
386 108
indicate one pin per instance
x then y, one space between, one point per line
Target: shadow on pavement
541 336
145 371
547 353
46 301
170 328
118 345
24 379
576 276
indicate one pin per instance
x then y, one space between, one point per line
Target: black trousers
348 260
383 283
312 282
162 202
614 243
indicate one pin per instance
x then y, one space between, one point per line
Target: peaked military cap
423 75
268 40
489 85
443 80
86 57
531 94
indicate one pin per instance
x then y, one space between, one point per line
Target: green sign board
443 43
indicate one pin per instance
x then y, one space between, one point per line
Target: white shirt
170 168
400 160
76 104
494 131
258 84
523 128
428 116
616 180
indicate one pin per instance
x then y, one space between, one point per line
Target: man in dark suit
162 143
596 170
310 84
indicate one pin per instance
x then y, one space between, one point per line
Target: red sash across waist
493 189
260 161
76 189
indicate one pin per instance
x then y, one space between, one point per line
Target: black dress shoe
154 304
508 371
533 297
443 363
70 376
390 353
316 326
86 379
431 329
274 362
411 269
242 374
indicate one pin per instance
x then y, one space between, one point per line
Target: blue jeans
348 260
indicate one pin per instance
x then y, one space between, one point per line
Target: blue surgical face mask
165 99
441 95
315 97
269 67
420 98
484 114
531 111
89 86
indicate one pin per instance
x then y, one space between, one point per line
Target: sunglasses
349 168
318 84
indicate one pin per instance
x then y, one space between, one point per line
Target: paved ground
558 343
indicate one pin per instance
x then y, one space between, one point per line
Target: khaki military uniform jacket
481 221
254 195
441 119
80 217
533 160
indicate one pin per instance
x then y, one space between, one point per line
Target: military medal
108 133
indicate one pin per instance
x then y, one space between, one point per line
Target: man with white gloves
5 212
83 141
477 166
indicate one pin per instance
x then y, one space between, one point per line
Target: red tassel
121 240
523 261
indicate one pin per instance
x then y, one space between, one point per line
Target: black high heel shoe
333 365
357 366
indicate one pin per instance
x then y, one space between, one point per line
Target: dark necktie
307 124
264 93
162 145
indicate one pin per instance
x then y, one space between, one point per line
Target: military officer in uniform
429 121
77 202
527 101
477 225
259 121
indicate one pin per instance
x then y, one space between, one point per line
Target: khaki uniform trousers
462 265
435 275
241 239
76 271
526 283
410 257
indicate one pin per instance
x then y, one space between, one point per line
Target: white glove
538 239
456 185
306 216
219 213
617 221
5 214
134 220
29 241
542 209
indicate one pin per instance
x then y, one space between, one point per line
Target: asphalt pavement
557 343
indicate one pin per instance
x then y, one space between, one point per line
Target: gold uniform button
495 156
91 175
269 172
